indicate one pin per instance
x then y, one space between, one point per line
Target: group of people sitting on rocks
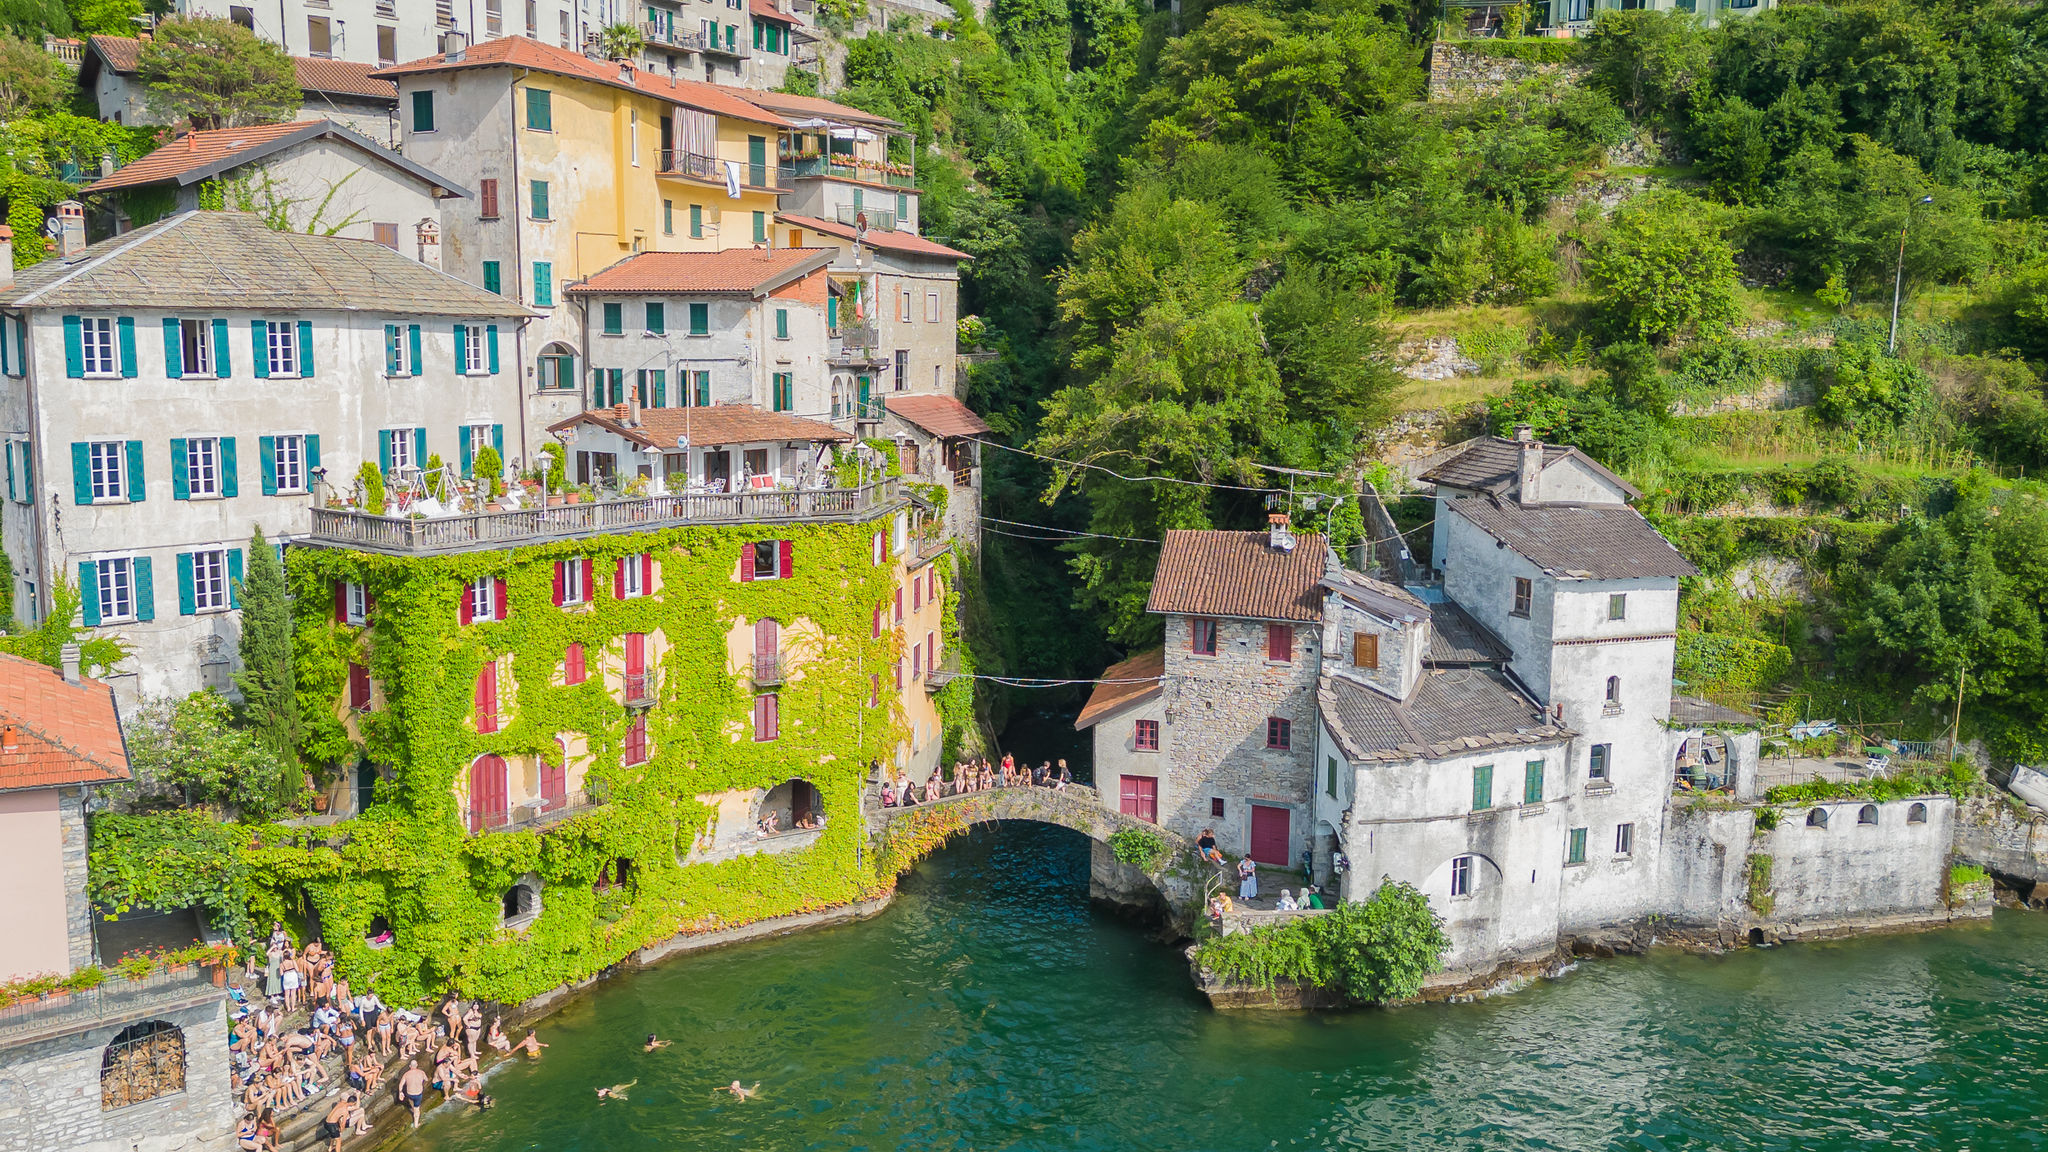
977 775
279 1058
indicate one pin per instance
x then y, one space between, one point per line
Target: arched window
1867 814
1818 818
836 382
1614 689
793 805
145 1061
1917 814
379 934
490 802
557 367
521 903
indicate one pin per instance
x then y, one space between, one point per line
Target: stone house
1235 724
744 326
337 90
166 392
1498 466
319 175
937 442
125 1064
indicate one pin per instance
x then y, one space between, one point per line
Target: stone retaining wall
1458 73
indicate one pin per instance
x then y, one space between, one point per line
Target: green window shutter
145 590
412 337
419 447
81 472
668 217
1575 853
384 450
757 33
543 284
423 111
461 341
661 388
703 389
10 472
266 451
491 346
221 363
135 487
124 331
498 440
1482 787
614 318
697 221
188 599
700 319
760 227
540 109
74 348
902 206
832 312
539 199
234 577
89 592
174 348
20 346
306 348
391 349
464 457
312 453
657 319
259 349
618 385
859 200
782 323
230 484
1532 782
493 282
180 483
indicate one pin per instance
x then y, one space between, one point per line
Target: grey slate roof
1456 638
1494 464
1450 712
1586 541
1387 601
232 260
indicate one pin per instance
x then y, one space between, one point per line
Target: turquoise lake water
992 1008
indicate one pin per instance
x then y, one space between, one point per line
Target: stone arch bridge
1174 885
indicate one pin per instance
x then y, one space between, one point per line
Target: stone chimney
70 228
6 257
1529 490
69 656
453 44
428 234
1277 534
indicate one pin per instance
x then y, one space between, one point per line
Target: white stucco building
169 391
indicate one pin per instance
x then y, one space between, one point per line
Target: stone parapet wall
50 1093
1461 73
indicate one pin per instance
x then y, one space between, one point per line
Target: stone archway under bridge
1172 888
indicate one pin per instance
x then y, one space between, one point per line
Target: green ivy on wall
409 858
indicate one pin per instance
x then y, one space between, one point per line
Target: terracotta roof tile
717 424
315 74
1144 670
767 10
196 156
1205 573
735 270
63 733
939 415
887 241
1586 541
234 260
814 107
520 52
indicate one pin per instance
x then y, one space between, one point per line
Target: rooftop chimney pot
1277 535
1528 489
70 228
1524 433
68 656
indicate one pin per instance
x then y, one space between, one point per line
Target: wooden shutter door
1139 796
1270 838
1365 650
746 556
786 559
488 795
554 783
487 698
636 653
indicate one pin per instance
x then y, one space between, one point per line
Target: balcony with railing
943 673
118 1000
542 812
882 218
767 669
851 168
401 536
696 166
639 689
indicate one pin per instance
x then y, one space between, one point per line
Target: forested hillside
1203 241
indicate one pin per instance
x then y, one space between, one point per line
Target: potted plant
319 801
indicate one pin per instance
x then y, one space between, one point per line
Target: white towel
732 179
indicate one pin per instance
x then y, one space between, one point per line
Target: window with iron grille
145 1061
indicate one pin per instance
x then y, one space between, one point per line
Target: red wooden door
489 798
1270 839
636 653
1139 796
554 783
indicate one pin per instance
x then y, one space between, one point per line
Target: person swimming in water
652 1043
739 1093
616 1091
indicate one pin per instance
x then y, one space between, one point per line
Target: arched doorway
792 805
489 794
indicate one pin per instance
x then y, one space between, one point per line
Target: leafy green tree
34 19
30 78
218 74
106 17
44 644
621 41
1869 390
1385 948
189 751
1651 62
1663 267
1333 357
1634 380
270 699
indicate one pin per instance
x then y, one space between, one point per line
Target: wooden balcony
400 536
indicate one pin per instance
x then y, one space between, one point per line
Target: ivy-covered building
555 734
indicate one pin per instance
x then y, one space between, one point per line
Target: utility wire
1145 479
1075 534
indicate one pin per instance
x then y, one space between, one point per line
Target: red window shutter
500 606
786 558
572 663
487 698
916 593
746 561
1279 642
931 650
619 577
636 653
877 634
916 661
874 689
560 581
467 611
774 715
589 579
369 604
899 605
341 601
646 573
358 686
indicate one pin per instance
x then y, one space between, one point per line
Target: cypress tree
270 699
